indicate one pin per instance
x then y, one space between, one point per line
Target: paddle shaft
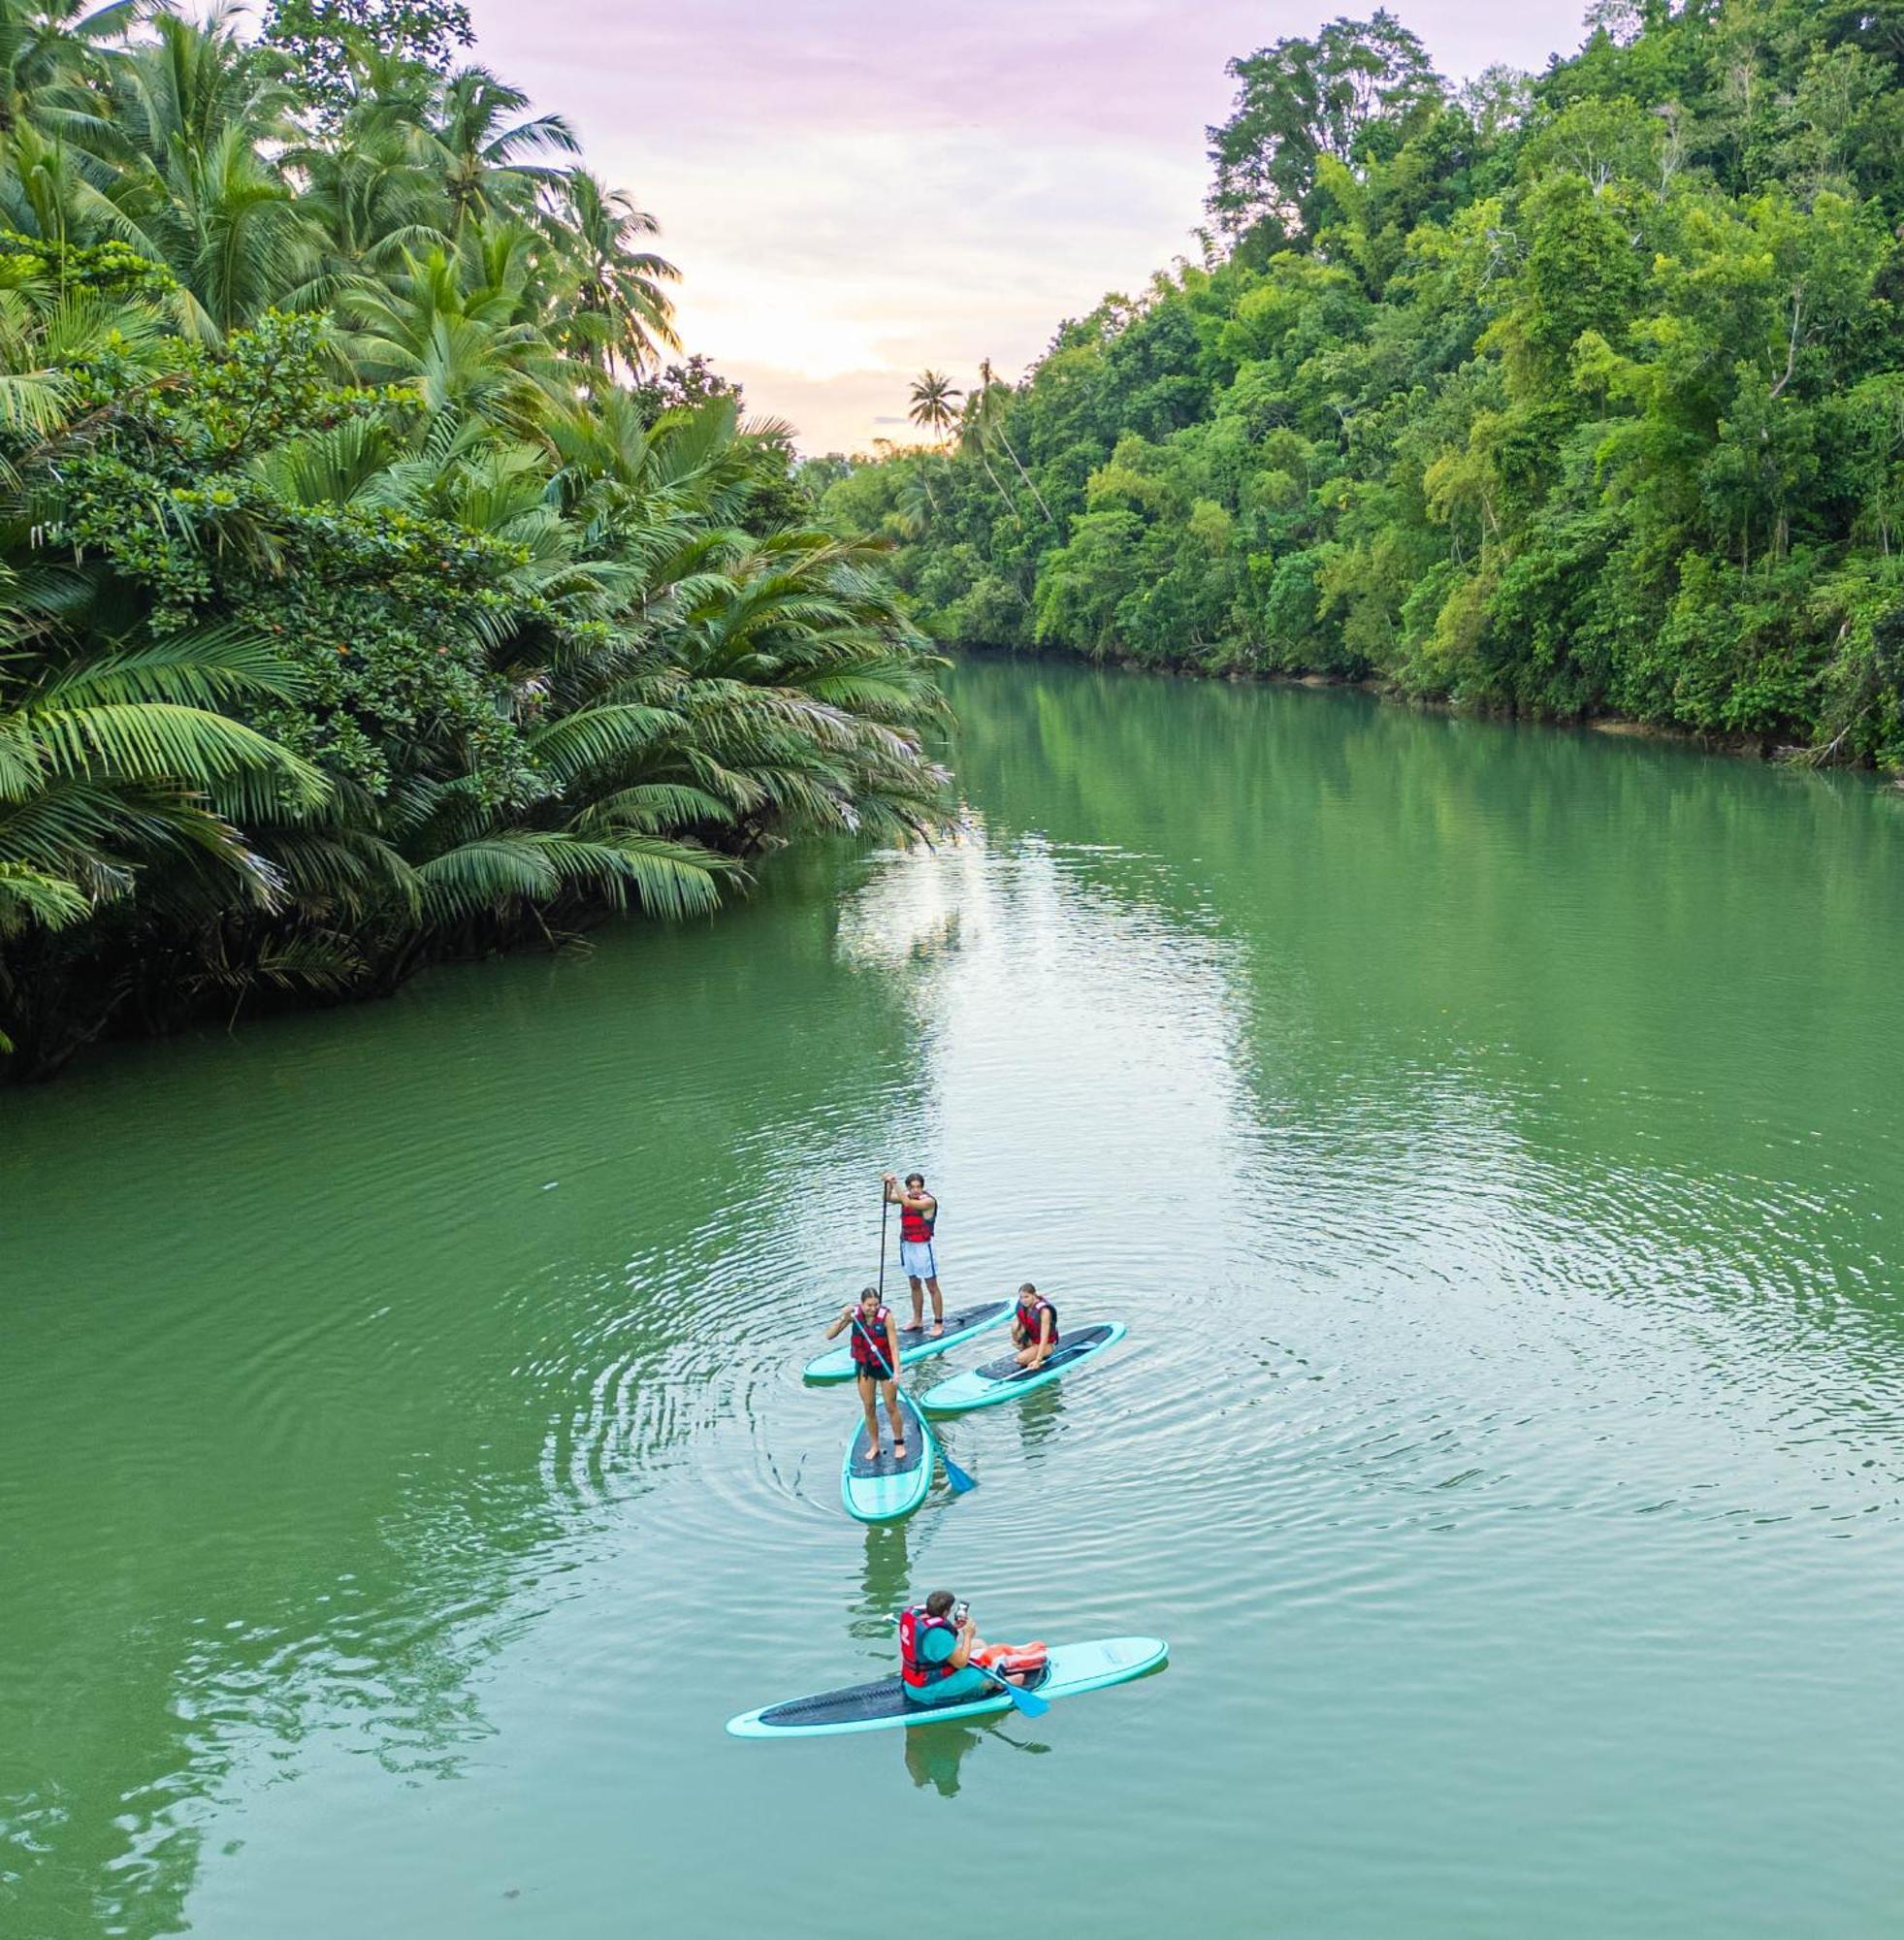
885 1206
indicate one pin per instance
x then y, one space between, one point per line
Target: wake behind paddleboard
914 1343
1003 1379
888 1487
1072 1670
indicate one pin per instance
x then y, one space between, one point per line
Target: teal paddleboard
1073 1669
914 1343
1003 1379
887 1487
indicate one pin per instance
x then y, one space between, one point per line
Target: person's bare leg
894 1416
918 1306
938 1303
869 1397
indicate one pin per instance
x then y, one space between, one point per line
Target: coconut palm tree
934 403
987 417
483 156
48 51
618 311
180 145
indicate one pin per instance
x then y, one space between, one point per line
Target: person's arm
920 1202
968 1632
890 1182
1044 1336
892 1342
844 1321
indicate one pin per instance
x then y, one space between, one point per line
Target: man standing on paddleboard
918 1215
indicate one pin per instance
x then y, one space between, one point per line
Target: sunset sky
855 190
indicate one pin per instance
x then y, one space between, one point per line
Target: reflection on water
1489 1137
935 1752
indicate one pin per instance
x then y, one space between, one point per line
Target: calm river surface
1491 1137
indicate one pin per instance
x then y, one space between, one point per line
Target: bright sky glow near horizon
854 191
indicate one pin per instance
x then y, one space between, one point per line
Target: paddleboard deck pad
1002 1379
1071 1669
884 1487
916 1343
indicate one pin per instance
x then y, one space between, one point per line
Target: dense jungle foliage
1577 395
370 594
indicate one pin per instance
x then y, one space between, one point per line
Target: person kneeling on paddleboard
941 1657
918 1215
1033 1327
875 1366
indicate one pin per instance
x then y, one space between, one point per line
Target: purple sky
855 190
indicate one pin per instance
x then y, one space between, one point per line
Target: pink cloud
855 190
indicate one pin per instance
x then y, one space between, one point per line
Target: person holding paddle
918 1215
875 1366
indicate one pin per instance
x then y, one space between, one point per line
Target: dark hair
1027 1287
938 1603
914 1179
867 1293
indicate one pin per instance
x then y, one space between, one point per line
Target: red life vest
877 1351
916 1228
1028 1319
913 1667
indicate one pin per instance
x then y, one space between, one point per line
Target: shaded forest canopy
372 590
1577 393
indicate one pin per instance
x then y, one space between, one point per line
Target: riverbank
1741 747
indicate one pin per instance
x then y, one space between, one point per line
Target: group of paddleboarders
942 1659
875 1328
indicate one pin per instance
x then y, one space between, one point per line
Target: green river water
1491 1137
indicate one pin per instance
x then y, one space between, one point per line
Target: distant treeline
1576 393
372 592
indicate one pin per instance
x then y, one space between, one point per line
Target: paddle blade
961 1484
1028 1702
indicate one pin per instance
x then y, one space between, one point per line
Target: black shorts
867 1374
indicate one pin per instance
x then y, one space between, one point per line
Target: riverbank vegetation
1580 394
372 592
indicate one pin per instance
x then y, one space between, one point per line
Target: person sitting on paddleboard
1033 1327
875 1366
918 1215
940 1655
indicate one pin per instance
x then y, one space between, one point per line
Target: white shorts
915 1259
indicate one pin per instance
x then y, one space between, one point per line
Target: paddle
885 1206
1028 1702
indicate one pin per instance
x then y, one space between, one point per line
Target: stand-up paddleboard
916 1343
1072 1670
1003 1379
888 1487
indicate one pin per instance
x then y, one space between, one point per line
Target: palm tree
48 51
618 310
933 402
989 420
482 153
180 136
933 398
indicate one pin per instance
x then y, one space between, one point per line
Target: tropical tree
617 312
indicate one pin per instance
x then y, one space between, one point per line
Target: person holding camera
942 1662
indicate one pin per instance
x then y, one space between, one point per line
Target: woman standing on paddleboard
875 1367
918 1215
